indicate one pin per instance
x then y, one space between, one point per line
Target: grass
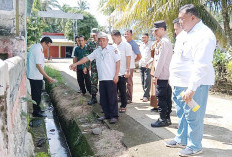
42 154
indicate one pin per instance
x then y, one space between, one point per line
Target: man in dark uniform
83 77
90 47
162 61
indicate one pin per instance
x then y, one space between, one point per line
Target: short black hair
176 21
47 40
146 34
76 37
190 8
82 36
129 30
115 33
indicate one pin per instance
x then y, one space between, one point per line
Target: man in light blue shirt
192 72
136 56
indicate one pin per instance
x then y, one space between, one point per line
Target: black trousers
121 86
108 98
84 81
36 90
164 94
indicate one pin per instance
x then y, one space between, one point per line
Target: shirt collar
41 47
196 27
107 47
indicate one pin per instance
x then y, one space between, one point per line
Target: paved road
217 139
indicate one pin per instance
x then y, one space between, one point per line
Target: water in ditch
58 146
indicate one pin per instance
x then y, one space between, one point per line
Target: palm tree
140 14
82 5
49 4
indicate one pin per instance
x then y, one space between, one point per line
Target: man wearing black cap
162 61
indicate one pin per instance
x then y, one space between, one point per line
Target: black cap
159 24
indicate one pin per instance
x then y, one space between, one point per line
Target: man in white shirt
136 56
35 72
145 71
108 65
192 72
125 51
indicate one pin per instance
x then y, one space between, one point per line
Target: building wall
15 140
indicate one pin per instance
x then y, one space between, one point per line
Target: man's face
116 39
158 32
186 20
81 41
128 36
77 41
94 37
103 42
177 28
145 38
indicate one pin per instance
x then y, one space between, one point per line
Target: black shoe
92 101
113 120
159 123
102 118
154 110
169 121
39 114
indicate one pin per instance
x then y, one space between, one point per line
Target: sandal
122 110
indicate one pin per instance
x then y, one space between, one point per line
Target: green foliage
42 154
55 74
28 100
229 70
84 26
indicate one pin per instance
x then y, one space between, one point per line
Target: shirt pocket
186 51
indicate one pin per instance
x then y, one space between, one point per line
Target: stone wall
14 137
15 140
8 17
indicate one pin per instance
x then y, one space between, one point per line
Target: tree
82 5
34 25
84 26
140 14
224 7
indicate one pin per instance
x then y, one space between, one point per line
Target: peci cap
159 24
102 35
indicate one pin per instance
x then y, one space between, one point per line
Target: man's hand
85 70
115 79
155 80
73 67
147 65
127 74
50 80
188 96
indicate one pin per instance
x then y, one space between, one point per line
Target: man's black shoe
92 101
169 121
159 123
154 109
113 120
39 114
102 118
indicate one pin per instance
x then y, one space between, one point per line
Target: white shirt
192 66
106 61
125 50
73 51
35 56
145 50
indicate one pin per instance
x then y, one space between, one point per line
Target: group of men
111 87
188 70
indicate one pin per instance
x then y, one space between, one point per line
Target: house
61 47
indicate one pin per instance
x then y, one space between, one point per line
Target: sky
93 6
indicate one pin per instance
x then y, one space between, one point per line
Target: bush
229 70
221 59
